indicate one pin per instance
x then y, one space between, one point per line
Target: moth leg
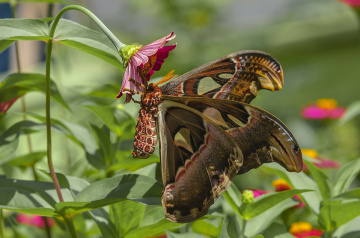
137 83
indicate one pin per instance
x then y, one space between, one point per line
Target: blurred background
317 43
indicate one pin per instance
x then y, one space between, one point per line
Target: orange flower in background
319 162
304 229
34 220
325 108
282 185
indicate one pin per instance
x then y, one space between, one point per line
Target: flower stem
118 44
48 121
242 235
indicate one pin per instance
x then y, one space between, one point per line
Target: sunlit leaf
24 29
353 194
16 85
352 111
7 150
4 44
233 196
90 41
129 186
126 216
207 228
152 230
346 175
28 159
321 179
266 202
336 213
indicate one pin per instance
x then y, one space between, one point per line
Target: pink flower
259 192
282 185
4 106
351 3
323 109
34 220
319 162
304 229
142 61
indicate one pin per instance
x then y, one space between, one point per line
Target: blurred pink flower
34 220
319 162
351 3
142 61
259 192
323 109
304 229
4 106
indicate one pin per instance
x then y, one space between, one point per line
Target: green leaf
336 213
117 120
258 224
153 216
224 228
233 196
346 175
16 85
127 162
266 202
20 128
101 217
126 216
4 44
93 42
352 111
50 1
28 160
105 150
152 230
207 228
7 149
129 186
24 29
33 197
321 179
353 194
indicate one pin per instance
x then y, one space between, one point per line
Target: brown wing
237 77
206 142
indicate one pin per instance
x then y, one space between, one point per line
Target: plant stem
242 235
118 44
48 121
70 226
2 226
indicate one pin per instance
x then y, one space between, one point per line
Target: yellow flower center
279 182
310 153
299 227
326 103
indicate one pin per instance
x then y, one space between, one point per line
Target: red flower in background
304 229
351 3
141 63
282 185
324 108
4 106
319 162
34 220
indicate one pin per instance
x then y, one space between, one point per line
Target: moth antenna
166 77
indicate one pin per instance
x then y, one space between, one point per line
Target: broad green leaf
4 44
20 128
224 228
346 175
350 229
206 228
152 230
24 29
90 41
353 194
7 149
266 202
16 85
233 196
28 160
32 197
73 208
153 216
277 230
127 162
126 216
101 217
170 234
258 224
299 181
105 147
129 186
336 213
117 120
321 179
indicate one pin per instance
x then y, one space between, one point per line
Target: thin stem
48 121
242 235
2 226
70 226
118 44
